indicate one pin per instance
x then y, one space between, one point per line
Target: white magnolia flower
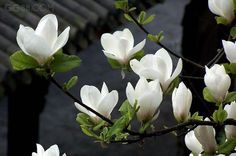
192 143
230 50
44 41
230 130
217 81
51 151
206 137
120 46
158 66
148 96
103 102
181 102
223 8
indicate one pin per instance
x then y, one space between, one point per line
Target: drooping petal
47 30
61 40
230 48
130 93
82 109
136 48
107 104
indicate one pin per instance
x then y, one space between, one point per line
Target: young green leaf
114 64
220 115
208 96
122 4
221 20
149 19
142 17
63 62
70 83
127 16
233 32
21 61
227 147
230 97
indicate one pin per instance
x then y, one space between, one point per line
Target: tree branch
163 46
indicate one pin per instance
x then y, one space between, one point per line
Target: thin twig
163 46
191 77
216 58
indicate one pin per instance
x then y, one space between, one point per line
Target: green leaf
142 17
173 85
84 119
149 19
156 38
227 68
220 115
196 116
232 68
221 20
70 83
127 16
114 64
118 126
125 108
21 61
233 32
63 62
227 147
230 97
99 125
87 131
122 4
138 55
208 96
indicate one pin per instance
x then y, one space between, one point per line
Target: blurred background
34 111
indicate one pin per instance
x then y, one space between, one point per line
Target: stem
163 46
80 102
191 77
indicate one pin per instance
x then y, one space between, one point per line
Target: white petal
36 47
82 109
64 154
227 8
20 36
126 34
61 40
192 143
110 43
112 56
214 7
163 55
50 17
230 50
130 93
136 49
48 31
107 104
177 71
40 149
123 46
52 151
141 87
104 90
148 102
136 66
90 96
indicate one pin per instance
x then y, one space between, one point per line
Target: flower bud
223 8
230 130
217 81
181 102
230 48
148 96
